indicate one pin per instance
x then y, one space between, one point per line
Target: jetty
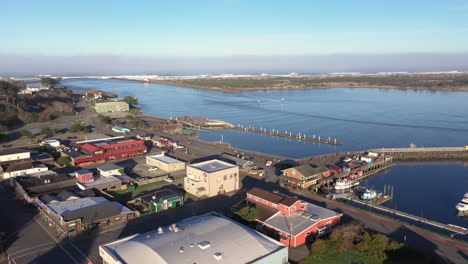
276 133
449 227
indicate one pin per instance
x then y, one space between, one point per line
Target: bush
65 160
27 133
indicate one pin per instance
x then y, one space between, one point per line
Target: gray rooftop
71 206
213 232
212 166
166 159
300 220
109 167
11 151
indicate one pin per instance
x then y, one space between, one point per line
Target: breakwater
449 153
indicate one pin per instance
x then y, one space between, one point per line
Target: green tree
132 101
47 131
27 133
50 82
64 160
248 213
104 119
10 90
79 126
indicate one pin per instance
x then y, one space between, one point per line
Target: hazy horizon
25 66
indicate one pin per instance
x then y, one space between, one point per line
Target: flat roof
166 159
212 166
109 167
301 220
11 151
199 239
99 180
71 206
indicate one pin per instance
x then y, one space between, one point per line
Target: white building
210 178
51 142
209 238
14 154
109 169
21 169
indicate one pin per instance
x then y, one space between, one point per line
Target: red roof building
106 150
291 221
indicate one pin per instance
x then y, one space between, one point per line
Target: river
360 118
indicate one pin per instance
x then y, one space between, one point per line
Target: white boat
463 204
369 195
345 184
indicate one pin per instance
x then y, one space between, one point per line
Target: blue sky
231 27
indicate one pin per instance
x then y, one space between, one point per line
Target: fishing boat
345 184
462 206
369 195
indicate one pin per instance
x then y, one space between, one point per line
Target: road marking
16 252
30 253
56 241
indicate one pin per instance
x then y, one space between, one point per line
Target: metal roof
200 240
212 166
301 220
73 206
307 170
10 151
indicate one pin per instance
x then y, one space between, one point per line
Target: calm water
359 118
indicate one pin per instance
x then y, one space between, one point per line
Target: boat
369 195
462 206
345 184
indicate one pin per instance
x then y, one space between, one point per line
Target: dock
285 135
449 227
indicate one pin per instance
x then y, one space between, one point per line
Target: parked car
268 163
153 168
169 179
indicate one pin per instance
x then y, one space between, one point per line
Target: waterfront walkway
451 228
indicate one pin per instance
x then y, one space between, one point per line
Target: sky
184 30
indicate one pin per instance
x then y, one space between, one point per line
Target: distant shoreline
429 82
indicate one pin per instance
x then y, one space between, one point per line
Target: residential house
208 238
12 154
211 178
293 222
162 200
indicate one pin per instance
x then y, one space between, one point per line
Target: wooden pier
299 136
449 227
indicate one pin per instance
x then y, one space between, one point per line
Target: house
103 150
15 169
93 93
11 154
304 176
165 163
162 200
211 178
111 107
75 215
51 142
293 222
208 238
30 89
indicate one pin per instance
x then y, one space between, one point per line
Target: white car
169 179
268 163
153 168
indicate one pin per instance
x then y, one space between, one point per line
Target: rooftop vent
160 230
204 245
181 249
218 255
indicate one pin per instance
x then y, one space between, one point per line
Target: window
302 206
294 208
218 178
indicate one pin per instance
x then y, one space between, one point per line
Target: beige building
165 163
14 154
210 178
